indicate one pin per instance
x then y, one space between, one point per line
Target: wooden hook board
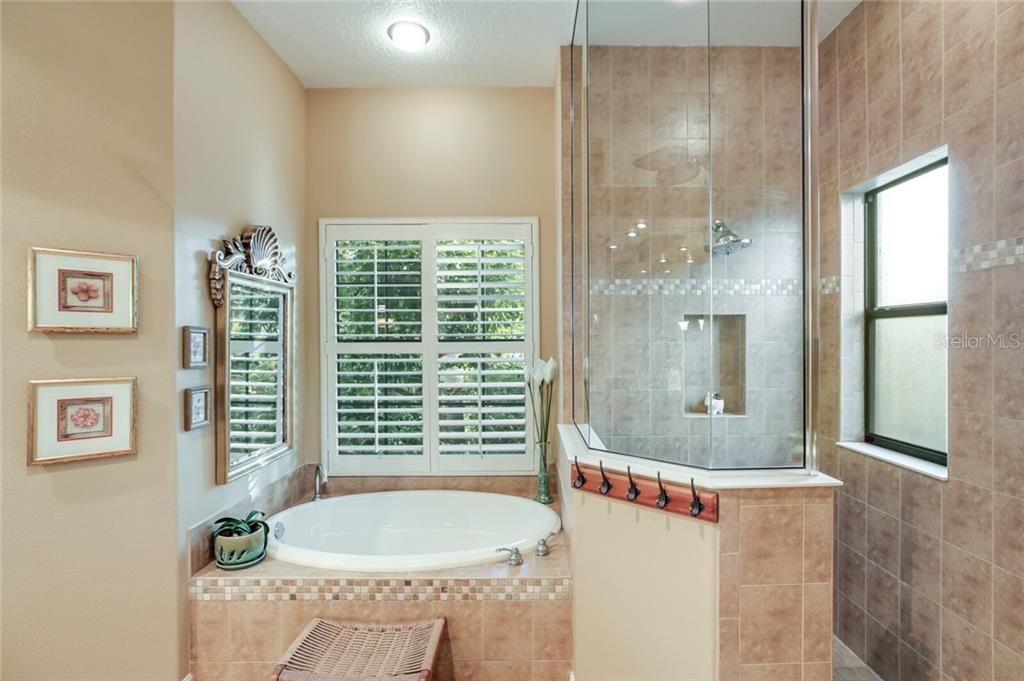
679 494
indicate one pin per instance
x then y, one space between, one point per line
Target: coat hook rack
651 492
606 485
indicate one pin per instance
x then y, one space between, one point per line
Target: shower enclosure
692 231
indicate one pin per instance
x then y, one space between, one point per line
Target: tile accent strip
988 255
382 589
829 285
696 287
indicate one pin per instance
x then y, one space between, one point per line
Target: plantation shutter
429 328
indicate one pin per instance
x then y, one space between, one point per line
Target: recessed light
408 36
641 225
683 249
631 234
612 246
663 260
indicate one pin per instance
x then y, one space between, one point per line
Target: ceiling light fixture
408 36
631 234
641 225
612 246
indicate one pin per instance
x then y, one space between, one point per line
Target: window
428 329
906 248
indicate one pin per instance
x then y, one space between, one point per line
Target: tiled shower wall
657 148
930 574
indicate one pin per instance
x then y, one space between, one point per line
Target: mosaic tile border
988 255
343 589
829 285
697 287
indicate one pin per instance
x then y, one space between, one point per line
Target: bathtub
407 531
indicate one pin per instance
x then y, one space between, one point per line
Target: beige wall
645 593
930 574
239 145
438 152
90 578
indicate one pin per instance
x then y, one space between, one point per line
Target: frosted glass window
906 263
909 387
912 237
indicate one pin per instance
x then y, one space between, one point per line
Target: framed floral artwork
195 344
198 407
82 292
76 419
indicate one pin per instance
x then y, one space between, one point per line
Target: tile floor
846 666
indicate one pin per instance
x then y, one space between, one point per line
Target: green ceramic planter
233 553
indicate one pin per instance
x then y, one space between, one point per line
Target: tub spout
319 480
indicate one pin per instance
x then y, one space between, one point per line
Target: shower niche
724 369
689 288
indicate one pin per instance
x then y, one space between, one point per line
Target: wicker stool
329 651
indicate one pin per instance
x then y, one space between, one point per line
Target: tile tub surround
925 590
775 584
507 624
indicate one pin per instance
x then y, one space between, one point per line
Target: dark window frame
873 312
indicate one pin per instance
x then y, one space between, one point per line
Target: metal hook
633 492
696 505
663 497
606 484
580 479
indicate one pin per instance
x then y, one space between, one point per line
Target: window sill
932 470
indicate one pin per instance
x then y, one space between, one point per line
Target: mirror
253 295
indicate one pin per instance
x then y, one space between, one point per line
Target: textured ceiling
498 43
483 43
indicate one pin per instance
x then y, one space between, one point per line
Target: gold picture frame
73 291
76 419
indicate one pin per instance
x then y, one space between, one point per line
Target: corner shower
691 241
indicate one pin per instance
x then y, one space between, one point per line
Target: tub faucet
319 480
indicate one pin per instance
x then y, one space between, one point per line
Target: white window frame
427 230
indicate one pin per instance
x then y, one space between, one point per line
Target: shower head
727 242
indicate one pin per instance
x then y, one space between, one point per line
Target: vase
543 485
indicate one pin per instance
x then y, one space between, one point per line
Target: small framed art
198 407
82 292
76 419
195 343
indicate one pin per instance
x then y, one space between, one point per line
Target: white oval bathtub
408 530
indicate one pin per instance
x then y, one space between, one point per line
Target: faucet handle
515 558
542 545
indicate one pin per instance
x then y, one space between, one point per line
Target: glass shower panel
649 178
687 231
757 233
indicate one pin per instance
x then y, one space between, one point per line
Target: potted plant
240 543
